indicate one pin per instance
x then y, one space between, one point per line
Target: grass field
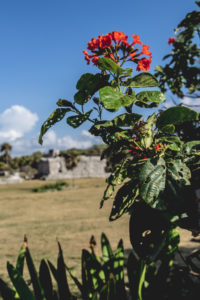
71 216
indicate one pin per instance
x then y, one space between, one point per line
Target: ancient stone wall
88 166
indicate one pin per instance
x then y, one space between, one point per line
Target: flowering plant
151 164
110 46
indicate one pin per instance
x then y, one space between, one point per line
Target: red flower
145 50
144 64
157 147
119 37
87 57
114 45
95 60
136 39
171 40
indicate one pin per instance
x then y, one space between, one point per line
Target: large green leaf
78 120
88 85
152 178
45 279
179 171
38 290
62 282
124 198
19 284
123 120
151 96
114 99
6 292
142 80
56 116
107 64
176 115
126 120
191 148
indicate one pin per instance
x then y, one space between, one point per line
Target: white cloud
193 103
85 140
15 122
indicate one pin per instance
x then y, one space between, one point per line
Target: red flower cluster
171 40
115 43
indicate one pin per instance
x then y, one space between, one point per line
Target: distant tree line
28 164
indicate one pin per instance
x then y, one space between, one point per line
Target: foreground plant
101 278
151 162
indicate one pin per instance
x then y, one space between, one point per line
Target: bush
59 185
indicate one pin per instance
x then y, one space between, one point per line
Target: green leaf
65 103
56 116
151 96
173 240
20 260
86 275
124 198
143 268
119 261
38 291
176 115
45 280
62 282
179 171
142 80
159 69
78 120
19 284
126 120
107 253
74 278
107 64
170 128
152 178
146 138
88 85
114 99
123 120
6 292
191 148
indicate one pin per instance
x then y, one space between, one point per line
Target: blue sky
41 58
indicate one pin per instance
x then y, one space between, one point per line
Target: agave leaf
20 260
38 290
6 292
19 283
45 280
107 253
62 282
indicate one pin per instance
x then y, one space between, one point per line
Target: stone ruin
54 167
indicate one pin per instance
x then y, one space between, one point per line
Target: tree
181 74
6 148
152 165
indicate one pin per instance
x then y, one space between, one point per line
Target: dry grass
71 216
